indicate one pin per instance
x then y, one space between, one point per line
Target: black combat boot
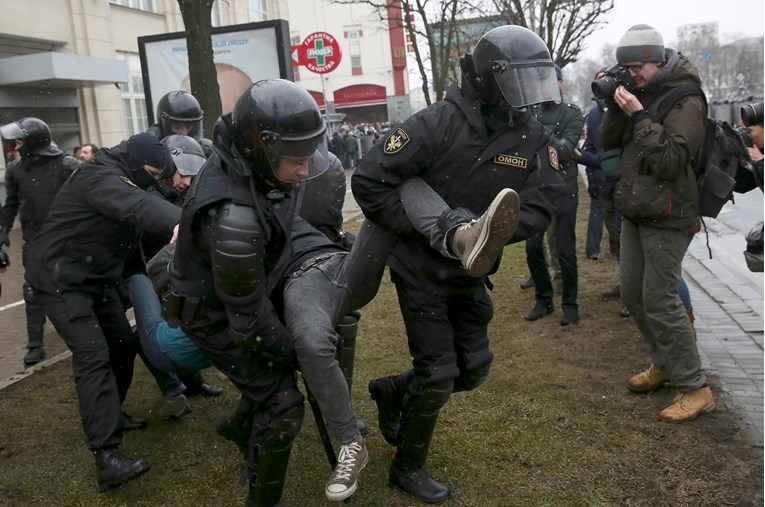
389 400
196 386
419 421
115 469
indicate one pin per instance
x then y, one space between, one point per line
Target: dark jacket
449 147
30 186
93 225
658 185
222 180
566 123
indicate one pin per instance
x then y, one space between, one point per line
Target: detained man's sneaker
351 459
688 406
649 380
34 356
480 242
175 407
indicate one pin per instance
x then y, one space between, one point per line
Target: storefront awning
61 69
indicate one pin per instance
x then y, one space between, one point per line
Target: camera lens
751 114
604 87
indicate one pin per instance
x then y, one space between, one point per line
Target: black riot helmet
512 64
187 154
35 134
179 109
276 118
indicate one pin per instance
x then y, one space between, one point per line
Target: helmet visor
188 164
526 84
12 131
183 127
298 160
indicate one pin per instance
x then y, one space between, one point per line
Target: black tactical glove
271 353
4 240
5 261
593 188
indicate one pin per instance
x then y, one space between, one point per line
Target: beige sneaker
175 407
480 242
649 380
688 406
344 480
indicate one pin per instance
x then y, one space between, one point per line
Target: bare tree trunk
202 74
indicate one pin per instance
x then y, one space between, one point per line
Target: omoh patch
552 153
127 180
511 160
395 141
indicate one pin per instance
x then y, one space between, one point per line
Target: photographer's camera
614 76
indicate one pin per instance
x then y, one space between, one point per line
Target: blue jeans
148 317
314 302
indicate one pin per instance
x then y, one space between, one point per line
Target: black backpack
716 163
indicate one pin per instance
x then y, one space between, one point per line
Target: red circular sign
320 52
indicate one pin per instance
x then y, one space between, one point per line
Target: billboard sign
319 52
243 54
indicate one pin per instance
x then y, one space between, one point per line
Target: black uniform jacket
448 146
30 186
93 225
218 295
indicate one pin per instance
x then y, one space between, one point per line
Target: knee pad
471 379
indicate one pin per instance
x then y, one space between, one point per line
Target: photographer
750 178
657 197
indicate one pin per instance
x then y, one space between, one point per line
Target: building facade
75 63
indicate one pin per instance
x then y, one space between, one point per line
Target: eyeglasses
635 68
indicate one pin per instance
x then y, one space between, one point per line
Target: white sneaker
175 407
344 480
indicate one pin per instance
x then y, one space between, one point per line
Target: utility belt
310 263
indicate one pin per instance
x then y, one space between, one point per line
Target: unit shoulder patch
511 160
128 181
396 141
552 154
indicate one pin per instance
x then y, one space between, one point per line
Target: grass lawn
554 425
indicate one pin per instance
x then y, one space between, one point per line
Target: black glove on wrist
4 240
5 261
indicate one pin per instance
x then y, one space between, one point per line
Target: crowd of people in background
241 238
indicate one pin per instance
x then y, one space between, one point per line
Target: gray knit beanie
641 43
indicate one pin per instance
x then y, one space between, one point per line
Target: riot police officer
233 251
30 184
179 112
469 147
74 267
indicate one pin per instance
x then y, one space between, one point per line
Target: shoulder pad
573 106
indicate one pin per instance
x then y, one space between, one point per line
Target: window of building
354 33
133 98
144 5
257 10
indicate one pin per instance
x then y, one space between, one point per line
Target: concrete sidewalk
729 326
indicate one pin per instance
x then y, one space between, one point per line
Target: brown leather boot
691 320
649 380
688 406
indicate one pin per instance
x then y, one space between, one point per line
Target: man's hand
754 154
627 101
175 234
